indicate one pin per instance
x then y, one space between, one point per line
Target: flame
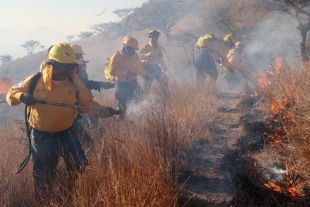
280 64
5 84
263 81
290 191
280 120
274 187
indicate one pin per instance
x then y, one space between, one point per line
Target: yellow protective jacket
234 57
126 69
50 118
43 65
157 56
219 49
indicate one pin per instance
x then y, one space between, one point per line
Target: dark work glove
107 85
105 111
28 99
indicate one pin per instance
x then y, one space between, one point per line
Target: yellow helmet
62 53
131 42
230 40
77 49
239 44
128 36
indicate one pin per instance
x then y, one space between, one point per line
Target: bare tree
228 16
298 10
5 58
31 45
70 37
160 14
85 34
122 13
104 28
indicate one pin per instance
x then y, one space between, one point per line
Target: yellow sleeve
234 60
14 93
84 98
115 67
142 53
142 50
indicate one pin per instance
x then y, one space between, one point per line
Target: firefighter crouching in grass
209 49
53 133
153 62
124 67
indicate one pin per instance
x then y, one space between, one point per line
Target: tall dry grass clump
134 163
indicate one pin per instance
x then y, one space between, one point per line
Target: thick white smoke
275 37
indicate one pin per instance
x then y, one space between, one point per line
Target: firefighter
210 49
53 133
81 70
153 62
85 120
125 66
235 58
90 84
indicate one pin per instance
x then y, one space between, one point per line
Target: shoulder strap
34 81
70 78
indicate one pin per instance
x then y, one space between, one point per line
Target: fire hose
25 161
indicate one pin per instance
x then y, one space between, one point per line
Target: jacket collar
47 77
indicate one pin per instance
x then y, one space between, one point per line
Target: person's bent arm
13 97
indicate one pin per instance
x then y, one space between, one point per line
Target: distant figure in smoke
125 66
153 62
81 71
209 49
235 58
84 119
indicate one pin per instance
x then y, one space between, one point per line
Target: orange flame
5 84
290 191
280 116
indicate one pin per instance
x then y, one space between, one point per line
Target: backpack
35 79
205 40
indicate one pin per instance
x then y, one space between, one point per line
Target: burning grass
135 163
286 90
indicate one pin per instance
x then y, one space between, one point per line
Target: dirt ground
208 177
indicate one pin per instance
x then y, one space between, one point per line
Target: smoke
275 37
137 112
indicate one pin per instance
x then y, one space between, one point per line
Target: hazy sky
63 16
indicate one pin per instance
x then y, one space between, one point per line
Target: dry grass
135 163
